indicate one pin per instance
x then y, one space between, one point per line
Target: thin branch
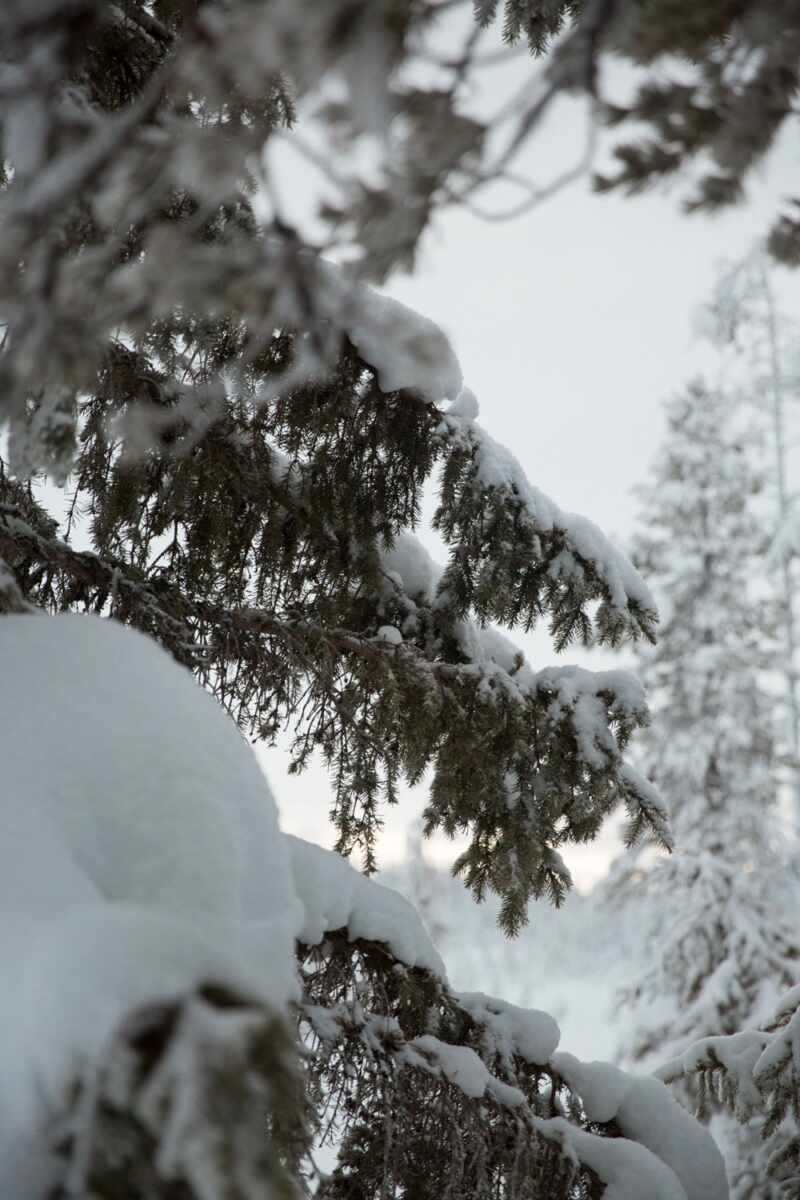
150 24
537 194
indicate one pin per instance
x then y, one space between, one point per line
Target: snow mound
630 1172
465 405
136 771
140 857
334 895
411 567
462 1067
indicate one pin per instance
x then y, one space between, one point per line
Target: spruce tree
247 434
244 432
756 338
717 943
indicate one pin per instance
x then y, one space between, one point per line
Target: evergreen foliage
717 947
245 433
247 454
718 82
728 107
404 1108
538 22
140 1127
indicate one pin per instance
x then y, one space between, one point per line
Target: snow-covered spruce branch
515 554
390 1026
151 1011
184 1088
753 1073
174 616
377 1003
349 696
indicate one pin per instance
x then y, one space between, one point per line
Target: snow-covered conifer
148 908
756 339
248 433
245 432
718 946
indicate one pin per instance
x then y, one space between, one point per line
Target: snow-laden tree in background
718 943
756 340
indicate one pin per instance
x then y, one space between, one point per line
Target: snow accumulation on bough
409 567
629 1171
510 1031
664 1154
142 779
462 1067
409 351
498 469
753 1059
334 895
648 1113
737 1054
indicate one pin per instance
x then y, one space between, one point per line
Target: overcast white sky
572 325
